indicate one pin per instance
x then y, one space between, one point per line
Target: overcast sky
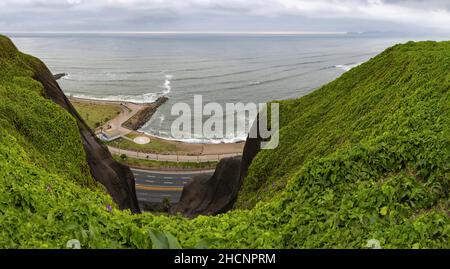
423 16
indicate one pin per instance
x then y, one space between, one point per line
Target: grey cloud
218 15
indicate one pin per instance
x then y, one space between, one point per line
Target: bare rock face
59 76
117 178
212 195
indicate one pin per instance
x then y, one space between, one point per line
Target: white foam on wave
225 140
347 67
252 83
161 119
166 135
139 99
167 87
153 128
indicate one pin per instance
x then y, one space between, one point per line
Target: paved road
155 186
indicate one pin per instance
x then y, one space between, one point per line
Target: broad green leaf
172 241
159 240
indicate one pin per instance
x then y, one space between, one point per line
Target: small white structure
142 140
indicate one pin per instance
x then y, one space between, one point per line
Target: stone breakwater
144 115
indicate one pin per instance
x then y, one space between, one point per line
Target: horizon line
183 32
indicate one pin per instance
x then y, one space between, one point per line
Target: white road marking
185 178
167 182
150 181
141 193
167 178
172 173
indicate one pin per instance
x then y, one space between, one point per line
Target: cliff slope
364 157
216 194
399 94
117 178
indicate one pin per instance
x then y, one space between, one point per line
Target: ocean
223 68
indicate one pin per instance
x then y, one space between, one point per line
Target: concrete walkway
171 158
128 111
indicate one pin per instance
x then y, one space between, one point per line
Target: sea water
223 68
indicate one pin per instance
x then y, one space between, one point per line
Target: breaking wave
139 99
225 140
347 67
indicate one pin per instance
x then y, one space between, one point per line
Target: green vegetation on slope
364 157
402 92
96 115
35 124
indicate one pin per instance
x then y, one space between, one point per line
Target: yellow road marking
157 188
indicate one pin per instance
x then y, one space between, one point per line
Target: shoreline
101 101
134 114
